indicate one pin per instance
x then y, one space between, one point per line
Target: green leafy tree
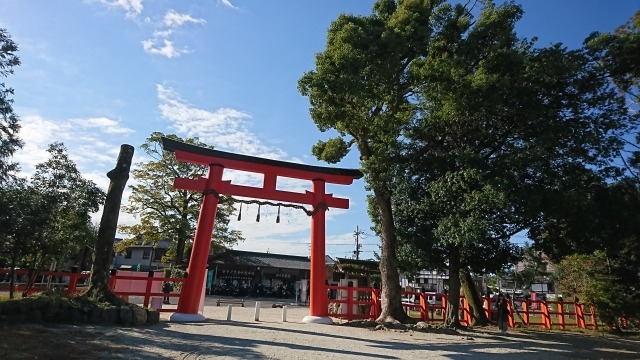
363 88
617 54
168 213
604 223
449 203
9 202
591 278
48 220
503 129
600 217
611 225
68 200
23 217
575 273
9 121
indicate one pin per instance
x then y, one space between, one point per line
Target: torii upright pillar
212 186
318 310
188 306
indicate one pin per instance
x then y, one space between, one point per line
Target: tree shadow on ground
516 345
259 340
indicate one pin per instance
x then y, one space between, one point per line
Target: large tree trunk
31 279
12 272
179 251
86 251
182 239
108 225
453 306
473 297
391 299
33 264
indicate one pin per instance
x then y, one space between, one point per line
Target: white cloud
160 42
162 33
173 19
84 139
103 124
132 8
167 49
227 3
226 129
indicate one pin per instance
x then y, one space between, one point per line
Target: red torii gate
212 186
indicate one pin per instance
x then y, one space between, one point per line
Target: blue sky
99 73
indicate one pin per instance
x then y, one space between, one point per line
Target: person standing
503 313
166 289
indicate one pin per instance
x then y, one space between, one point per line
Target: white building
141 257
429 280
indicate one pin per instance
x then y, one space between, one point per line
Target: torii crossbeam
212 186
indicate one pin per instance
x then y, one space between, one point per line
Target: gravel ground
271 338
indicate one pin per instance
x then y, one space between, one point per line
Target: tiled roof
344 264
249 258
328 261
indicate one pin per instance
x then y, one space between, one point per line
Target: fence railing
343 302
351 303
146 285
149 287
68 281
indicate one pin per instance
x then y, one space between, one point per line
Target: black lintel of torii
173 145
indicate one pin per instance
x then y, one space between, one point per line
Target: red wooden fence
550 313
350 302
72 283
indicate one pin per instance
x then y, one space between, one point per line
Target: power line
361 245
309 243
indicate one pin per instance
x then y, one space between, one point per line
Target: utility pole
357 234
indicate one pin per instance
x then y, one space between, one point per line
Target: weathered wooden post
108 225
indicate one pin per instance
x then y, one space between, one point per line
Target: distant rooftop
250 258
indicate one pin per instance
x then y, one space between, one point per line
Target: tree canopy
617 54
503 130
21 206
168 213
362 88
71 198
9 121
467 134
48 219
602 224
